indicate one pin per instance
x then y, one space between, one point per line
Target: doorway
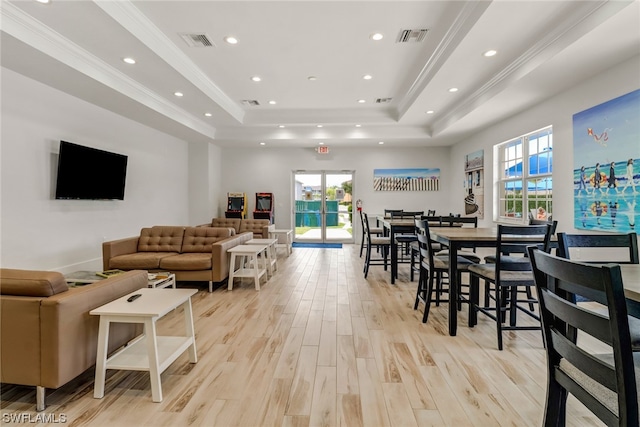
323 206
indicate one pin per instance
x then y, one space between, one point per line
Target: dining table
457 238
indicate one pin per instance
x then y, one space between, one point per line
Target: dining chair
431 212
388 212
610 245
503 278
607 384
382 243
404 240
433 268
377 231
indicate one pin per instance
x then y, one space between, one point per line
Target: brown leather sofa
259 227
47 336
191 253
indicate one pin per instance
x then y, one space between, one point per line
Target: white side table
275 233
271 259
163 281
148 352
246 254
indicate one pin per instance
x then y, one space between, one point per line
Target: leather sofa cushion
256 226
161 238
139 260
200 239
227 222
187 261
31 283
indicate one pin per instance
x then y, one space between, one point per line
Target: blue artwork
606 165
406 179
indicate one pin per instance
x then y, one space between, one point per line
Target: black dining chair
404 240
433 269
600 249
376 231
607 384
381 243
504 277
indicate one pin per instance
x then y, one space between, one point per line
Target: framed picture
474 184
406 179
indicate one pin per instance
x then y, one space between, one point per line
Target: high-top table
391 228
148 352
456 238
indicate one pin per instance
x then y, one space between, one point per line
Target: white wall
39 232
558 112
264 169
205 178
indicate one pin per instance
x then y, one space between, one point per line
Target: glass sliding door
323 206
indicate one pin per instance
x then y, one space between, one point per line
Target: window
524 177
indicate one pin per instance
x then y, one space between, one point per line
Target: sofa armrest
220 257
114 248
69 334
265 232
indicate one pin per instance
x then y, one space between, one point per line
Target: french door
323 206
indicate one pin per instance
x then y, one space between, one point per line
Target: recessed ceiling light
490 53
129 60
208 114
281 126
178 94
231 40
453 89
263 143
381 142
272 102
367 77
358 126
320 143
256 78
318 126
376 36
312 78
43 1
430 112
361 101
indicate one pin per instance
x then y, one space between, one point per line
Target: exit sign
323 149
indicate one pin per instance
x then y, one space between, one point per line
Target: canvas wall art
406 179
474 184
606 165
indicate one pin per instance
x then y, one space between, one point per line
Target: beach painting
474 184
406 179
606 165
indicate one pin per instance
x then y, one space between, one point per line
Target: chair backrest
601 242
456 221
424 241
365 226
515 239
607 387
391 212
431 212
406 215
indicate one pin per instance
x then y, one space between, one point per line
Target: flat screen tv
86 173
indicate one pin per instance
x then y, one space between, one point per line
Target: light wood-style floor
320 345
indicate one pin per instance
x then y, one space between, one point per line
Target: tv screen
86 173
264 204
236 203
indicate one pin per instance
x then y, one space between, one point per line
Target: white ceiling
543 47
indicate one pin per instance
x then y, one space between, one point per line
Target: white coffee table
272 258
162 281
246 255
148 352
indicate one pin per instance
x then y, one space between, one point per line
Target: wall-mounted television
86 173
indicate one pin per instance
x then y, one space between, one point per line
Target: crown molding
37 35
459 28
584 16
134 21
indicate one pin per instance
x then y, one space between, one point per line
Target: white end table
288 239
246 254
148 352
272 259
162 280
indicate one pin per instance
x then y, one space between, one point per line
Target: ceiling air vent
383 100
250 102
411 36
196 40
